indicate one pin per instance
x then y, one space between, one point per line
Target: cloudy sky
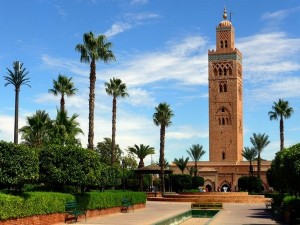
161 54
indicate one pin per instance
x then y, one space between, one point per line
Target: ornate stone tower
225 97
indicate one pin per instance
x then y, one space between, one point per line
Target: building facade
225 84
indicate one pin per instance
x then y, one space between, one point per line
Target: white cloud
117 28
280 14
130 21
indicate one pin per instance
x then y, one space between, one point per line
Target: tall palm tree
181 163
17 77
141 152
116 89
63 86
196 152
249 154
162 117
92 50
36 132
281 110
259 142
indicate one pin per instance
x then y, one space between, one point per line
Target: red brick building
225 82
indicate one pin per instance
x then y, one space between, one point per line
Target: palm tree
17 77
281 110
92 50
65 129
196 152
249 154
162 117
35 133
116 89
181 163
259 142
63 86
141 152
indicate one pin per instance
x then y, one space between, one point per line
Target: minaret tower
225 75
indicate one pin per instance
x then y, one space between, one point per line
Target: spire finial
224 14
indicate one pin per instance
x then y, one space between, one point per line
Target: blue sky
161 54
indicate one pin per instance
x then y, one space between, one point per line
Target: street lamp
123 180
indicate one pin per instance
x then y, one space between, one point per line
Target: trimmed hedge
32 203
41 203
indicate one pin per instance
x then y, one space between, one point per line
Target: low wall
60 217
224 197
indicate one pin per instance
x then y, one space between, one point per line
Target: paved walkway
233 214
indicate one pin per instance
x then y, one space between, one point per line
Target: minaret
225 74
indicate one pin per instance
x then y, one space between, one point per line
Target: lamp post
123 180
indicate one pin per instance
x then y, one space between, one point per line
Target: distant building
225 82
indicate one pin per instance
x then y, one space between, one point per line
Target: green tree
196 152
17 77
19 165
259 142
281 110
65 129
181 163
92 50
63 86
117 89
104 151
36 132
141 152
249 154
162 117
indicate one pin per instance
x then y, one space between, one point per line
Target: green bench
126 204
208 205
73 210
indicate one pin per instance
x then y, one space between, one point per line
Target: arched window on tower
230 71
220 71
226 45
221 44
215 71
223 121
221 87
225 71
225 87
223 155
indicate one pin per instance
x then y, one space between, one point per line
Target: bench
126 204
72 209
208 205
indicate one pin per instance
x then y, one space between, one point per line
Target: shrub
41 203
32 203
180 182
71 165
18 165
197 181
250 184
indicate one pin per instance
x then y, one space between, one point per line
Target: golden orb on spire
224 14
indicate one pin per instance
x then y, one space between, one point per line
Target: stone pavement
233 214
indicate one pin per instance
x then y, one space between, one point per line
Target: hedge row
55 166
41 203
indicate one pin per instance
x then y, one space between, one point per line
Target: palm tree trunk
113 132
16 116
62 103
162 157
251 168
92 104
258 165
281 127
196 169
